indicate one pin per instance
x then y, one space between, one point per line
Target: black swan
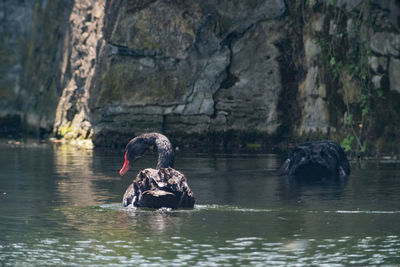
319 159
163 187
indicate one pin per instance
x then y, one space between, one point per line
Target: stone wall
206 73
80 67
31 50
351 49
189 68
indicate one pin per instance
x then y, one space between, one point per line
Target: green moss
6 94
68 133
150 44
115 82
134 32
253 146
65 129
127 81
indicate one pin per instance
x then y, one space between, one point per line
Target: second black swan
160 187
319 159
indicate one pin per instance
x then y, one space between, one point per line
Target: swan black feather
160 187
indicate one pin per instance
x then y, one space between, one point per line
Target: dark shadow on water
317 181
313 192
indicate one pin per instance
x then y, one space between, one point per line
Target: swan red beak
125 168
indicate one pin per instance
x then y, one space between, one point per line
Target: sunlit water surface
61 206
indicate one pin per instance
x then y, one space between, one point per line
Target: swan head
133 151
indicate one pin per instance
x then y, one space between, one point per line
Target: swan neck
165 151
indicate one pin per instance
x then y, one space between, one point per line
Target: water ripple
178 251
215 207
367 211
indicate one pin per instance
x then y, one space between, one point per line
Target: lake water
62 206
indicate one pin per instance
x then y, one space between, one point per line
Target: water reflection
243 180
25 186
82 180
74 167
62 207
296 245
112 219
307 192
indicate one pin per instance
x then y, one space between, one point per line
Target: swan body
319 159
160 187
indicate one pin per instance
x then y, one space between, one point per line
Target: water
61 206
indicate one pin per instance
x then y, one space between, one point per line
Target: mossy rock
129 81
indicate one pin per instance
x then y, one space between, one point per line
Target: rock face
202 71
185 68
31 46
312 92
80 65
394 74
